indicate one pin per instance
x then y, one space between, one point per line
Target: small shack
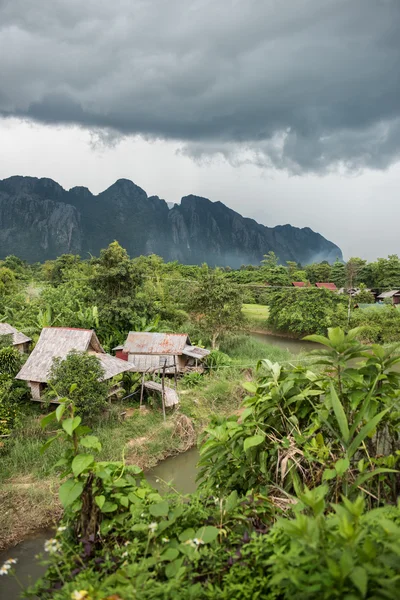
20 341
393 295
58 342
328 286
152 352
300 284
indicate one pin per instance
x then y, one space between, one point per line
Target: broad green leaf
70 491
365 431
252 441
359 577
231 501
173 568
250 387
170 554
159 510
336 336
69 425
186 535
81 462
60 411
319 339
100 501
207 534
341 466
339 414
73 387
109 507
48 419
90 441
328 474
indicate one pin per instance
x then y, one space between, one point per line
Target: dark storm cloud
299 84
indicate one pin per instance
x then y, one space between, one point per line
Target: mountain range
40 220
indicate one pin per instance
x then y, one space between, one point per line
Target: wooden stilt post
175 373
163 388
141 391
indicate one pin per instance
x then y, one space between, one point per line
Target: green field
257 313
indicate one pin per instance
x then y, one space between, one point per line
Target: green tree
80 377
7 281
270 260
338 274
319 272
364 296
218 302
354 270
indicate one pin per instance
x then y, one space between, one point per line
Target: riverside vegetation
300 437
297 496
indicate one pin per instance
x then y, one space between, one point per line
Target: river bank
29 485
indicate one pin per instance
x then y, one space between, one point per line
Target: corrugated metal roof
389 294
170 395
18 337
144 342
196 352
327 286
56 342
299 284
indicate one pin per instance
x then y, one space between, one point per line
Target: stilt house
19 340
152 352
58 342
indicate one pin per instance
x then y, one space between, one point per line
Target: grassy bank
28 481
256 315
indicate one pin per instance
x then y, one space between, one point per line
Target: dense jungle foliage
298 495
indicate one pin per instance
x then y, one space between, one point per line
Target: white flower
142 515
52 545
165 540
217 486
126 543
124 555
79 595
153 527
7 566
198 541
61 529
157 481
4 569
191 543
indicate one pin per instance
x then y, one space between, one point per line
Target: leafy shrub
216 360
79 376
191 380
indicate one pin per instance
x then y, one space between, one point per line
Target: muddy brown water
178 471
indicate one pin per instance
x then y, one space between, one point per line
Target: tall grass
247 349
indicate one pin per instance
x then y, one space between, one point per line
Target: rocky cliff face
40 220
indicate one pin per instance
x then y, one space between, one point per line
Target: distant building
58 342
152 352
393 295
300 284
328 286
19 340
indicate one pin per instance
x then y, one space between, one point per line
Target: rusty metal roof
389 294
170 395
327 286
196 352
144 342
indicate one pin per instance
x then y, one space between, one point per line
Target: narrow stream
178 471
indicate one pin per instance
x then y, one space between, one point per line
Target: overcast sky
288 111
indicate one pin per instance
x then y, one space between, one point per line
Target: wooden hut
19 340
58 342
393 295
151 352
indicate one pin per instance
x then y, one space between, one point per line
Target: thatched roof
59 342
144 342
18 337
170 395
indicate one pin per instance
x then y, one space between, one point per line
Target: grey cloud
303 85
